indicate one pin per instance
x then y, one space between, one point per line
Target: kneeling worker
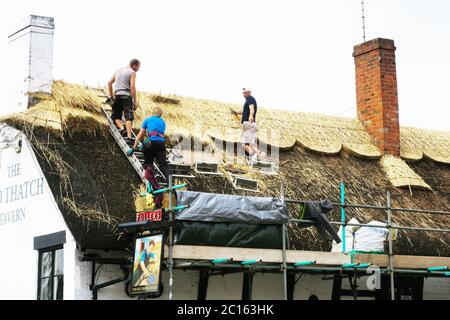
154 145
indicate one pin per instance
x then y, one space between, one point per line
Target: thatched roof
316 153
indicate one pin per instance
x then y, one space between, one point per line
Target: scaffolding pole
284 233
391 253
171 218
343 216
362 269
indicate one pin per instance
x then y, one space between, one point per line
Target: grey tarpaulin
209 207
229 221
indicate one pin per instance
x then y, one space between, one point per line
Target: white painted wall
34 213
83 271
30 61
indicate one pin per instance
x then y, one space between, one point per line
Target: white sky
294 54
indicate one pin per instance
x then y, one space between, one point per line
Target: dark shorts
123 106
157 151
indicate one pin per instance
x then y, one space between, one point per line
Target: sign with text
156 215
19 183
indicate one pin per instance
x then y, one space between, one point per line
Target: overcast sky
295 54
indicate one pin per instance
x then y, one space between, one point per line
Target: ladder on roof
176 159
264 167
137 158
207 168
242 183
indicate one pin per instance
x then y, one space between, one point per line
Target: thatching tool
235 114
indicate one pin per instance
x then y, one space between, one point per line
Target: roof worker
124 96
248 137
154 146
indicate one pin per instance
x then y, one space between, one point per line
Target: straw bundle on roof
400 174
69 109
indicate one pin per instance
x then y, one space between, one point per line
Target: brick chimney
376 93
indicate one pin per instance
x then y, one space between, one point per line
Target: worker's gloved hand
130 152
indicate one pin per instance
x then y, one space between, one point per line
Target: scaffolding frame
390 270
228 265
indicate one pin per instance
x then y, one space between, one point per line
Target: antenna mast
363 20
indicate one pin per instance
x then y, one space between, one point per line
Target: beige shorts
248 133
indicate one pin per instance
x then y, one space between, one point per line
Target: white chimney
30 63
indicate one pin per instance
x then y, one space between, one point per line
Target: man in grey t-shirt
124 95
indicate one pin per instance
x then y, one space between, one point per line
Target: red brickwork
376 93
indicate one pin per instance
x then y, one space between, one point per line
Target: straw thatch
417 143
94 183
400 174
206 120
69 109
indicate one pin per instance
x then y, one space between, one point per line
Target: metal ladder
137 158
